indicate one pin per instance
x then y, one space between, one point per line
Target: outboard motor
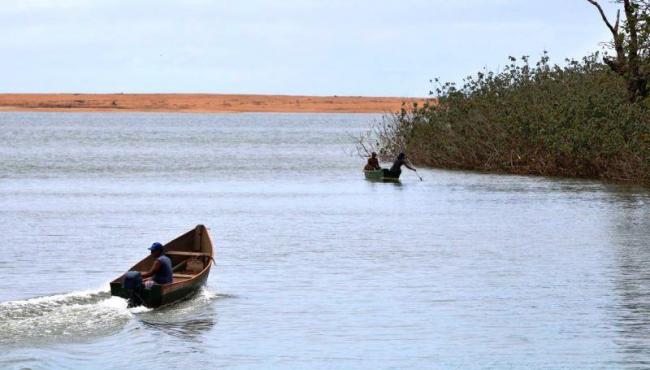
133 283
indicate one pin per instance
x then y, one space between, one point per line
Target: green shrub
540 119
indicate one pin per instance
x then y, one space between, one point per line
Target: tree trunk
628 63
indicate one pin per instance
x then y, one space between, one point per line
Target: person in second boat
373 163
396 169
161 270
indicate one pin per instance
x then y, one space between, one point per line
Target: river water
316 267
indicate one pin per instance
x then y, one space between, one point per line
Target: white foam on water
81 314
179 310
139 309
205 295
58 298
72 315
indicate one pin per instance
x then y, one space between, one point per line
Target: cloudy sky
316 47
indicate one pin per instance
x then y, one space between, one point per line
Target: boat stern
137 295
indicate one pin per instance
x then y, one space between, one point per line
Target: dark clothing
397 165
164 274
392 174
373 164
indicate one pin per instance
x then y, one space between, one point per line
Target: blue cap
156 246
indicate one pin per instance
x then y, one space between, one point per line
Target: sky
295 47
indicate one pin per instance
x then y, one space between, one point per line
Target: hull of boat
160 295
378 175
195 244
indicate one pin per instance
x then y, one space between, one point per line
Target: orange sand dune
200 103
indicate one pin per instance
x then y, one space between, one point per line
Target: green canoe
379 175
192 258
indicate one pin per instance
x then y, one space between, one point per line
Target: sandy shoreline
200 103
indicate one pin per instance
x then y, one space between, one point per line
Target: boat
192 257
379 175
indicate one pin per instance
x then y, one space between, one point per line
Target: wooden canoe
192 257
379 175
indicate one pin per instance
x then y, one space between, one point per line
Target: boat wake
72 315
83 314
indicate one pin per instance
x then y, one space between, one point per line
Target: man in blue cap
161 269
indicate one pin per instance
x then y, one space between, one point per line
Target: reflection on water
315 267
630 235
375 183
184 330
186 320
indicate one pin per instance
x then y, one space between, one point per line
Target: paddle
415 171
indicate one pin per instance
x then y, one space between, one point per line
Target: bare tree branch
614 29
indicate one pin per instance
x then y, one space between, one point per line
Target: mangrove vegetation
582 118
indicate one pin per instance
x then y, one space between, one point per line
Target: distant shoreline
200 103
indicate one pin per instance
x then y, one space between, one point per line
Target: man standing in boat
161 269
396 170
373 163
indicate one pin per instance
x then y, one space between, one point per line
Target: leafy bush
542 119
